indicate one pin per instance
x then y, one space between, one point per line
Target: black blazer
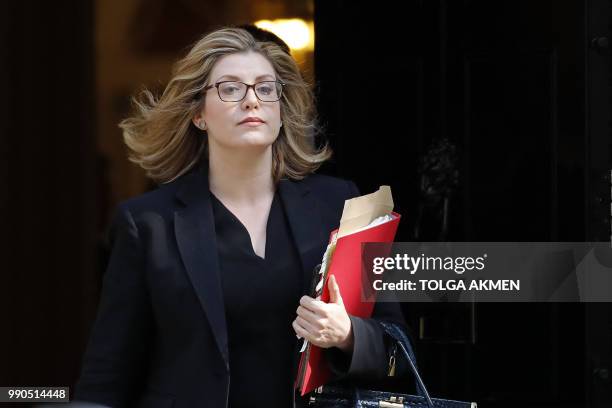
160 339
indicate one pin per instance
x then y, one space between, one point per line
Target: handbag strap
393 330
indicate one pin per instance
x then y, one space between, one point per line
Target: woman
205 295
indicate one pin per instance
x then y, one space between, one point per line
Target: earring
202 125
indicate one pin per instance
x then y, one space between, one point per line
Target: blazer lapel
195 235
196 239
306 226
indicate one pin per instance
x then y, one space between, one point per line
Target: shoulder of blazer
329 187
331 191
161 200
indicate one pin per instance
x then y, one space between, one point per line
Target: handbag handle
393 330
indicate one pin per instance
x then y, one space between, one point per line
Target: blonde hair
163 140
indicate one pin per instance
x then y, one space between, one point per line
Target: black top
261 297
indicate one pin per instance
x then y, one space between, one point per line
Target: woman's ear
199 122
196 120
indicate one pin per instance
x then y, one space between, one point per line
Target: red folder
345 264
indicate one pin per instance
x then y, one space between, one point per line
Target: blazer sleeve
371 347
115 360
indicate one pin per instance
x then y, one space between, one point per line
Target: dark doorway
520 91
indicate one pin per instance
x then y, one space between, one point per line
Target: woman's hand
325 324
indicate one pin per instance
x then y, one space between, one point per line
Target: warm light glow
297 33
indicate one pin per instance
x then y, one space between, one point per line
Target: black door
515 95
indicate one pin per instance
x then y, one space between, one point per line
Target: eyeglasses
235 91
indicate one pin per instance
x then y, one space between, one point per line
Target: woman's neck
241 176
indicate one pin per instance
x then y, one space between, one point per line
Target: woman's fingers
322 324
308 332
334 291
312 304
308 315
312 327
300 331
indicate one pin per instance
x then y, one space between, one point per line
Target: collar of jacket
194 229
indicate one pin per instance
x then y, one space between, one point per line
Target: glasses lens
269 91
232 91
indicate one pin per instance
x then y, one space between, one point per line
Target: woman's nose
250 99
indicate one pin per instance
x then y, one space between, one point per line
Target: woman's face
223 119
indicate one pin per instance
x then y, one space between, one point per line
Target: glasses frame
216 85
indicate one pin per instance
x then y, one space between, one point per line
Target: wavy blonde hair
163 140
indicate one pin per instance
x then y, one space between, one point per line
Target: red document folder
345 264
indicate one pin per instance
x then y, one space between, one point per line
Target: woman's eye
265 90
230 90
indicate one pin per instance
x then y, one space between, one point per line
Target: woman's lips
251 124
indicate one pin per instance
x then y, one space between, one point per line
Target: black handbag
331 396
